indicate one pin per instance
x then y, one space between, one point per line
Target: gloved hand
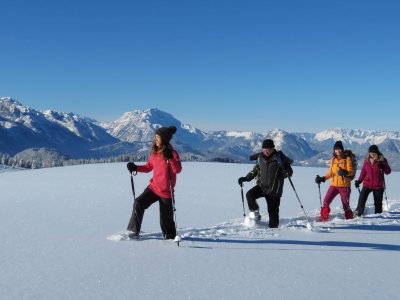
131 167
380 164
167 153
241 180
319 179
343 172
287 173
357 183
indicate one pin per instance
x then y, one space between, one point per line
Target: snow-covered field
4 168
55 226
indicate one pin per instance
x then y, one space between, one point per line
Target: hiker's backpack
284 163
353 157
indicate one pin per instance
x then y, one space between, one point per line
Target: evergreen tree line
34 163
50 162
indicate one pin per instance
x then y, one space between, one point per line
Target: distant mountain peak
24 127
241 134
140 125
10 101
15 111
277 130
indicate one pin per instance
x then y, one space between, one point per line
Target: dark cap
338 145
374 149
268 144
166 133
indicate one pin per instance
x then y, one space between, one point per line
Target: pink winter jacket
159 183
372 176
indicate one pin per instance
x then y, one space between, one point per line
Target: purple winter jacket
372 176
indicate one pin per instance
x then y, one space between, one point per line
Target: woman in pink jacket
162 158
372 176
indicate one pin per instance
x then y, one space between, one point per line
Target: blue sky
237 65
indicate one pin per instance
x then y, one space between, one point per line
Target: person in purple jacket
372 176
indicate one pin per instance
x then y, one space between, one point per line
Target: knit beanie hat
166 133
374 149
338 145
268 144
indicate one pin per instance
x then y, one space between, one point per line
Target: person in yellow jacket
341 171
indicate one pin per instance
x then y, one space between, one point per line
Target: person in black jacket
271 169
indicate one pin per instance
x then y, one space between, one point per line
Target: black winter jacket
269 173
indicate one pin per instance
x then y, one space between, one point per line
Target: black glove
167 153
241 180
343 172
357 183
380 164
131 167
319 179
287 173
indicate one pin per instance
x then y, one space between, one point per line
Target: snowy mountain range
23 127
75 136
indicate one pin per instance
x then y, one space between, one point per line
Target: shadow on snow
370 227
359 245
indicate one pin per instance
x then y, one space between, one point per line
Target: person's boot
169 236
254 215
274 222
133 235
378 208
348 214
325 214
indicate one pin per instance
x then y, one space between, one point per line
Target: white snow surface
56 226
5 168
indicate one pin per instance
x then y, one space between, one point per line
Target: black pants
143 202
378 197
272 202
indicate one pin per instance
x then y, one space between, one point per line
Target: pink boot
325 214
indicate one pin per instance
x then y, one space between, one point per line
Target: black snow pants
378 198
143 202
272 202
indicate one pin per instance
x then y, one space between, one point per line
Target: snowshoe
254 215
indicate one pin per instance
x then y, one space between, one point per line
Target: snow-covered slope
55 224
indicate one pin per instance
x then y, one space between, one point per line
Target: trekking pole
241 191
133 190
319 189
173 200
384 189
133 185
301 205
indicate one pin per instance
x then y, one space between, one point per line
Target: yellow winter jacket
340 163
